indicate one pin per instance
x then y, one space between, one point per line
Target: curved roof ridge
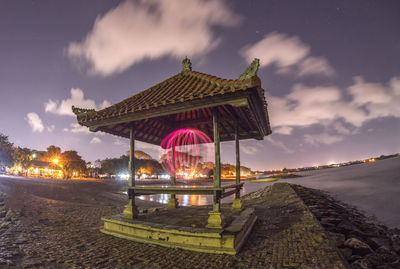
228 82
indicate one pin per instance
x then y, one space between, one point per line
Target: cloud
279 144
138 144
323 138
35 122
95 140
77 128
50 128
305 106
250 150
286 130
143 145
340 128
289 54
120 142
64 107
278 49
138 30
313 66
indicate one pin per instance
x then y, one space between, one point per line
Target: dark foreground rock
363 241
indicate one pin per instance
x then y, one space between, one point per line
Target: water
189 200
372 187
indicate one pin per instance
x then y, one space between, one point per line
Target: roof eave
236 99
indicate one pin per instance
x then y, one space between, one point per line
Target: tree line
71 162
13 156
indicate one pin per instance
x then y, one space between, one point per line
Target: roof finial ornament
78 111
186 65
251 71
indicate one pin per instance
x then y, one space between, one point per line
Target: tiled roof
185 91
186 86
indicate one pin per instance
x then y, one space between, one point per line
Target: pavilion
224 109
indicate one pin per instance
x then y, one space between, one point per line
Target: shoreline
362 240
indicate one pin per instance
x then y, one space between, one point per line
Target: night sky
330 70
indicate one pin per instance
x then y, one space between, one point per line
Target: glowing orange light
55 161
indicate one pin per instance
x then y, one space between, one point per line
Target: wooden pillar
131 210
173 202
215 217
237 153
217 166
173 177
237 204
132 172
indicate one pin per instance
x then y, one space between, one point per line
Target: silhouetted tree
6 149
72 162
22 157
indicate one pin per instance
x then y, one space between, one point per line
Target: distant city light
165 176
123 176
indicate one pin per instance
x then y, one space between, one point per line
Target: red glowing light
183 156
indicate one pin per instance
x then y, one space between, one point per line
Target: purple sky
330 69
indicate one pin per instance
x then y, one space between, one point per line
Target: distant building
44 169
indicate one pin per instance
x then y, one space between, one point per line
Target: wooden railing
222 192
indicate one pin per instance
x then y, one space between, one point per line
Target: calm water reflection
189 200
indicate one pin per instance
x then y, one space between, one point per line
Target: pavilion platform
184 228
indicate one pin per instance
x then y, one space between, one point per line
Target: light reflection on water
189 200
372 187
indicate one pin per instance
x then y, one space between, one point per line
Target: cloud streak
138 30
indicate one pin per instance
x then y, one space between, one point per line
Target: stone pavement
65 234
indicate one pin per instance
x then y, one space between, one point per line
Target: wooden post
132 172
237 153
131 210
237 204
173 178
217 167
173 202
215 217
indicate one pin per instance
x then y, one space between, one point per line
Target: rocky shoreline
363 241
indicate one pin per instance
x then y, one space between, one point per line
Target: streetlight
55 161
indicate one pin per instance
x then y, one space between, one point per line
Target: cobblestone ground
61 230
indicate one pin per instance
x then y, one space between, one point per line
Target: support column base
237 204
214 220
173 202
130 211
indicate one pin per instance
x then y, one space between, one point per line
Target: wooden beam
208 102
237 116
